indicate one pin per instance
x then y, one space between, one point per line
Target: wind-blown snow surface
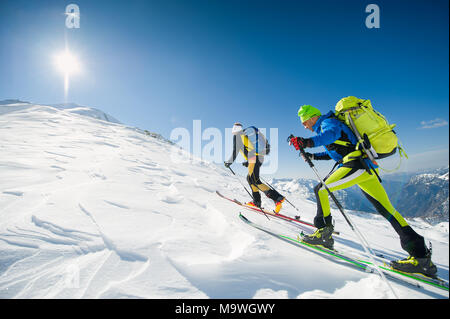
94 209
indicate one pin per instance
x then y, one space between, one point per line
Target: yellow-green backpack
374 133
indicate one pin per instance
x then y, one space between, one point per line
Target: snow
373 289
91 208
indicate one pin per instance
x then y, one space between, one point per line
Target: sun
67 63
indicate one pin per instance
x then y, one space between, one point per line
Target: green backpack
375 135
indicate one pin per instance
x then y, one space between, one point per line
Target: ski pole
341 209
241 183
247 191
277 191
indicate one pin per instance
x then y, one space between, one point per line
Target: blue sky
159 65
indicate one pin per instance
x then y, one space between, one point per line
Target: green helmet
305 112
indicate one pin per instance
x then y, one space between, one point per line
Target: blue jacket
329 129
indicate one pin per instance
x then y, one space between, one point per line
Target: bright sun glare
67 63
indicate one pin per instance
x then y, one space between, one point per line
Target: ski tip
243 217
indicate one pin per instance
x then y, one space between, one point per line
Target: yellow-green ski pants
372 189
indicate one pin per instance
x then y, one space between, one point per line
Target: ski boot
278 206
414 265
253 204
321 237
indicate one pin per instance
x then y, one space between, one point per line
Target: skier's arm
330 133
317 156
322 156
235 152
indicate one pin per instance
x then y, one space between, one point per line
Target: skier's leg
342 178
252 179
255 183
267 190
419 260
411 242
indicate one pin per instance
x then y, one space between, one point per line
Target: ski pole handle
289 138
302 152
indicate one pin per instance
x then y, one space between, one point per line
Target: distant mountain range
424 194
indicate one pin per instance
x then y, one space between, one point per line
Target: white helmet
237 128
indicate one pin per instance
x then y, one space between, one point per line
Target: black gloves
310 156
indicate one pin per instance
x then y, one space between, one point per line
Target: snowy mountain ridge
68 107
91 208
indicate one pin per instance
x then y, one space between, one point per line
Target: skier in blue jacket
355 168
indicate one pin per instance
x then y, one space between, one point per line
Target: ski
295 221
415 280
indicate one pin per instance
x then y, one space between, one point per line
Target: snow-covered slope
95 209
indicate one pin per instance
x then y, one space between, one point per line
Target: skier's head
309 116
237 128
